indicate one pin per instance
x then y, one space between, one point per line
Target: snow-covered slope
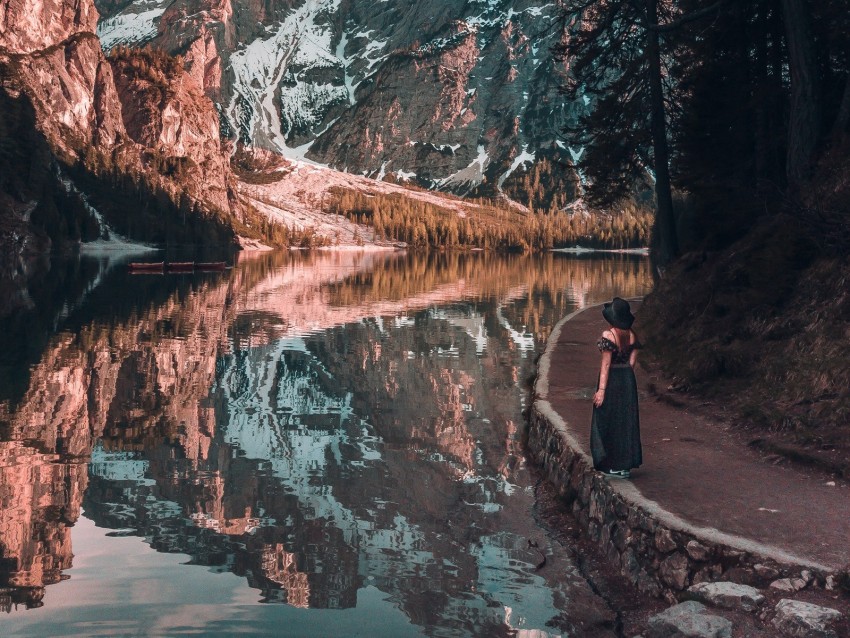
135 25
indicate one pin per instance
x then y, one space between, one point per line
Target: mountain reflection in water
338 430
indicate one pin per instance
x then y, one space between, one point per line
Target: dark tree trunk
744 120
762 130
839 128
805 116
665 221
779 105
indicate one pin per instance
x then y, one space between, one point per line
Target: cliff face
27 26
165 112
69 85
447 94
85 130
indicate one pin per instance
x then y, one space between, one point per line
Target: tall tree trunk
777 101
761 106
665 221
839 128
805 116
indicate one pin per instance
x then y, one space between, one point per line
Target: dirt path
697 471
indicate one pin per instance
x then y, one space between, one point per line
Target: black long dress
615 427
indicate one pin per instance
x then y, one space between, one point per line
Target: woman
615 428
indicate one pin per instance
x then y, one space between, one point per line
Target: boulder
788 584
796 618
698 551
674 571
727 595
664 541
688 620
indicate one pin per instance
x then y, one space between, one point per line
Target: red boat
136 266
180 266
176 266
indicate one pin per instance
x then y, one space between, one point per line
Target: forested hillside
741 110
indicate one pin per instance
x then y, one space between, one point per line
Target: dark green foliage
30 180
741 133
137 206
605 49
756 306
728 128
617 63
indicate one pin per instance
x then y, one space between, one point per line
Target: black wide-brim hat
618 313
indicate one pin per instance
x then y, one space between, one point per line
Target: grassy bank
759 330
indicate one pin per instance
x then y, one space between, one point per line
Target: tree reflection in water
313 423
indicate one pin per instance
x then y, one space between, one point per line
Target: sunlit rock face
31 25
53 58
443 93
79 138
71 90
164 110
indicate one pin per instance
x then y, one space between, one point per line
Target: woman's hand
599 397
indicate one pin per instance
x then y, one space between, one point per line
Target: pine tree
616 62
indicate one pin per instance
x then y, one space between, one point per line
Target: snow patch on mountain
305 104
522 158
372 50
473 174
135 25
274 89
350 86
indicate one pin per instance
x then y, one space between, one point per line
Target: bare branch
685 19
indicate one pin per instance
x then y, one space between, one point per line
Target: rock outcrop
70 87
727 595
802 619
83 130
688 620
28 26
166 113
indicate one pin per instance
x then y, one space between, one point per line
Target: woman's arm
633 339
599 397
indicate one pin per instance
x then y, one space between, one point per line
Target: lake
309 444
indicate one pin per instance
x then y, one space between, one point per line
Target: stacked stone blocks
658 559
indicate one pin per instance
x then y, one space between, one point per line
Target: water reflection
319 425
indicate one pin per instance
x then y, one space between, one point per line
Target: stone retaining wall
660 557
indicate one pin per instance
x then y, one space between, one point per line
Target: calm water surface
307 445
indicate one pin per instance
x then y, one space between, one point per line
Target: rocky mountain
129 141
448 94
101 139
